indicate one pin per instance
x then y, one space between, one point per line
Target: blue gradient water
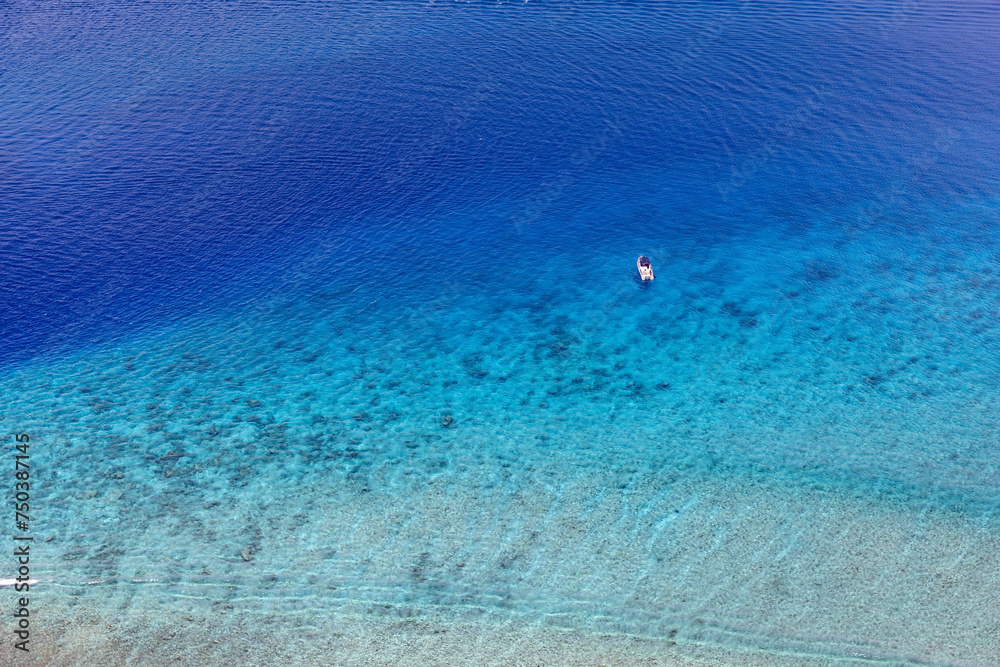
325 324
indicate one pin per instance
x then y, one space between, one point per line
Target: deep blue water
170 160
397 240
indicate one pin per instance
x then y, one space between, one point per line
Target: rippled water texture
324 323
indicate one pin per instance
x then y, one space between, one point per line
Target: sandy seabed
746 574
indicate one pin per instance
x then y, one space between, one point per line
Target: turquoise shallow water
325 327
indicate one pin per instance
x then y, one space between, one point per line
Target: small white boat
645 268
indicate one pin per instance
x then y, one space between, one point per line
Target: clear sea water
324 323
